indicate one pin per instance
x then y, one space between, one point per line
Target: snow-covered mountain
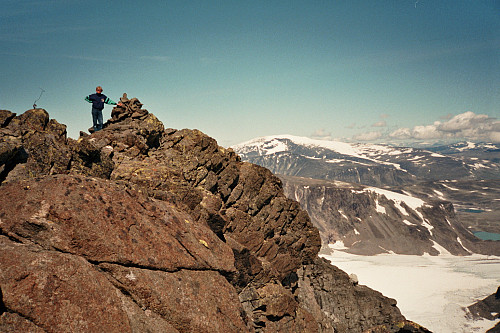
379 198
370 164
470 148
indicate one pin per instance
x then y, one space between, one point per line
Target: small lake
471 210
487 235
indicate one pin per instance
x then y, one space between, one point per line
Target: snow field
430 290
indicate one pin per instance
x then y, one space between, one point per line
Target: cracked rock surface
138 228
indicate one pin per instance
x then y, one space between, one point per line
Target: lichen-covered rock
193 301
57 292
104 222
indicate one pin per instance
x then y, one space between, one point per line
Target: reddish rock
193 301
104 222
57 292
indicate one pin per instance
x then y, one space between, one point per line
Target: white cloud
426 132
494 137
321 134
466 122
381 123
465 126
368 136
401 133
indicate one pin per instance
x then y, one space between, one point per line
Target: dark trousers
97 119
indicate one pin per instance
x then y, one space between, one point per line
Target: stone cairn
129 108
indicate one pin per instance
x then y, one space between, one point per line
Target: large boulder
107 258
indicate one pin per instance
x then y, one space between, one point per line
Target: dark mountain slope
369 220
378 198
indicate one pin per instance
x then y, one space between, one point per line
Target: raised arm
109 101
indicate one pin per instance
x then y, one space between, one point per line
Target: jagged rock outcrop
487 308
140 228
338 302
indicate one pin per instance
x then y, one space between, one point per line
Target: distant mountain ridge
466 146
361 195
369 164
479 152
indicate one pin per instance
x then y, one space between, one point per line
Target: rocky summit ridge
142 228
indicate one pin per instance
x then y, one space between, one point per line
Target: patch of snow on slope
440 249
380 209
263 145
470 145
449 187
410 201
426 224
439 194
398 199
479 166
338 245
342 213
274 147
401 208
460 242
335 160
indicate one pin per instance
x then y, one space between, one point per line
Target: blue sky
349 70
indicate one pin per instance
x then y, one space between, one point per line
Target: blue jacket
98 101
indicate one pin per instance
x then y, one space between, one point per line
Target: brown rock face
104 222
45 287
138 228
329 293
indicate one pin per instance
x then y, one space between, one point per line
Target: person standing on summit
98 100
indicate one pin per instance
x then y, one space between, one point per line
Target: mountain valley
364 195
